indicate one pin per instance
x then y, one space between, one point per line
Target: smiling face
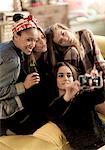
26 40
41 45
64 77
63 37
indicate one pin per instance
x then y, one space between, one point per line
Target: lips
65 83
29 51
30 48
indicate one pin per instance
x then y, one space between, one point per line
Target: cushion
48 137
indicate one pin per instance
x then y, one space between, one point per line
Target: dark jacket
78 119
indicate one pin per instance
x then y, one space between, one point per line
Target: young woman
61 45
35 63
78 48
74 109
13 79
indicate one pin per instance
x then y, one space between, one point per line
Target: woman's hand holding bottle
31 80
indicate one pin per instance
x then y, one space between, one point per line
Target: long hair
41 30
50 47
53 48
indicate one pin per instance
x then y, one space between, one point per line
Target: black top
78 119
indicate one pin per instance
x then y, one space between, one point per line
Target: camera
89 81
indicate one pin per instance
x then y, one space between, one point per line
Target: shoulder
6 50
71 51
85 33
8 56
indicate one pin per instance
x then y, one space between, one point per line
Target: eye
37 40
42 37
62 33
60 75
29 40
69 75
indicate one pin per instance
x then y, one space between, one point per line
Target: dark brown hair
72 68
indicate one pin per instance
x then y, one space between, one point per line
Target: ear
15 35
55 27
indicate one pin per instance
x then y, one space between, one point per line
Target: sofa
49 136
101 43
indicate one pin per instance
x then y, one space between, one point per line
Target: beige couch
48 137
101 43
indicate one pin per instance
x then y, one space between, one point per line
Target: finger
33 74
87 75
35 77
94 68
100 73
77 83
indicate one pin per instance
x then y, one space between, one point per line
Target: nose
65 77
33 43
41 41
65 38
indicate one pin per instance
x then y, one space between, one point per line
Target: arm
72 56
11 90
9 72
96 52
59 105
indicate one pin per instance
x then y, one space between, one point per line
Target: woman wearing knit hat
14 81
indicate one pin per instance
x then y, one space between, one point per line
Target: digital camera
89 81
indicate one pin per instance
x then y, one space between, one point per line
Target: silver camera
89 81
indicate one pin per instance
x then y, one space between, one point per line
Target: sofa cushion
22 142
48 137
52 133
101 43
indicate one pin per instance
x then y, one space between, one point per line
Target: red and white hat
24 23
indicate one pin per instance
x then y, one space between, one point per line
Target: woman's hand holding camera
92 80
31 80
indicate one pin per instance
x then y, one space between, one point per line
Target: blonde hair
53 48
75 42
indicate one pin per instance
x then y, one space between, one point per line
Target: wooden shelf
50 14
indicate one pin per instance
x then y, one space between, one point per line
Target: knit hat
24 23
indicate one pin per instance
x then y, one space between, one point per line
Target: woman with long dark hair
74 109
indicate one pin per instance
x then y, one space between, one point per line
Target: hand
94 72
101 80
31 80
95 80
71 90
